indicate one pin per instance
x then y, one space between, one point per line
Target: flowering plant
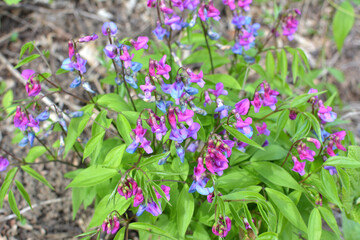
177 149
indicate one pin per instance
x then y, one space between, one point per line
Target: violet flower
245 4
162 68
263 129
244 126
111 51
140 43
139 139
325 113
126 57
88 38
111 26
299 167
305 152
175 89
151 206
220 228
3 163
148 88
242 107
20 119
230 3
191 4
128 188
111 225
196 78
180 151
219 90
290 24
160 32
199 186
216 162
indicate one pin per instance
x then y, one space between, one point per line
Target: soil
51 25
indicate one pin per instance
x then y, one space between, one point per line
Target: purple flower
314 141
76 82
247 225
3 163
43 116
151 206
139 139
237 48
298 166
79 64
244 126
220 228
180 151
158 128
33 88
290 25
175 90
196 78
88 38
209 11
239 21
305 152
193 129
219 90
140 43
332 170
245 4
31 138
126 57
175 22
71 49
185 116
230 3
110 51
111 226
246 39
163 105
325 113
20 119
139 197
160 32
242 107
148 88
109 26
193 146
199 186
162 68
179 134
336 139
216 162
207 98
263 129
165 9
257 102
128 188
292 115
191 4
223 109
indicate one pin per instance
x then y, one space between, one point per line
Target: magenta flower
33 123
20 119
3 163
32 87
139 197
71 49
292 115
185 116
199 186
314 141
151 3
245 4
230 3
140 43
151 206
336 139
209 11
246 39
216 162
207 98
191 4
298 166
109 27
247 225
179 4
244 126
126 57
257 102
179 134
158 128
269 95
196 78
162 68
165 9
111 51
148 88
111 225
166 190
175 89
219 90
199 170
325 113
263 129
290 24
220 229
88 38
139 139
305 152
128 188
242 107
79 64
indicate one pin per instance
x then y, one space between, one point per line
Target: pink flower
298 166
162 68
219 90
245 4
263 129
88 38
257 102
242 107
126 57
305 152
220 229
20 119
314 141
32 87
196 78
140 43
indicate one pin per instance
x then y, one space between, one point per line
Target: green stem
208 47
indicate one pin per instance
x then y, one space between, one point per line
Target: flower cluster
290 24
222 227
265 97
111 225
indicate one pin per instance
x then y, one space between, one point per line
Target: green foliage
342 23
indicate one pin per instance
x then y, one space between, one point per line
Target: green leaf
124 128
185 210
114 102
236 216
304 58
330 219
267 236
303 98
36 175
93 143
244 195
249 218
13 205
283 65
120 235
341 161
330 187
227 80
23 192
241 137
281 123
104 208
150 228
7 100
342 23
6 184
27 60
238 178
61 71
295 66
270 64
152 159
273 152
354 152
287 208
314 123
26 46
92 176
76 127
275 174
114 157
34 153
338 75
315 225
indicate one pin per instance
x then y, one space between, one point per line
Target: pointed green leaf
13 205
151 229
23 192
315 225
185 210
27 60
241 137
36 175
114 157
92 176
342 23
6 184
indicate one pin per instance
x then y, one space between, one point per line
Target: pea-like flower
219 90
92 37
109 27
111 51
299 167
140 43
126 57
32 87
4 162
139 139
111 225
222 227
20 119
245 4
152 207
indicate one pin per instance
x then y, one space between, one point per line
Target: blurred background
50 24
